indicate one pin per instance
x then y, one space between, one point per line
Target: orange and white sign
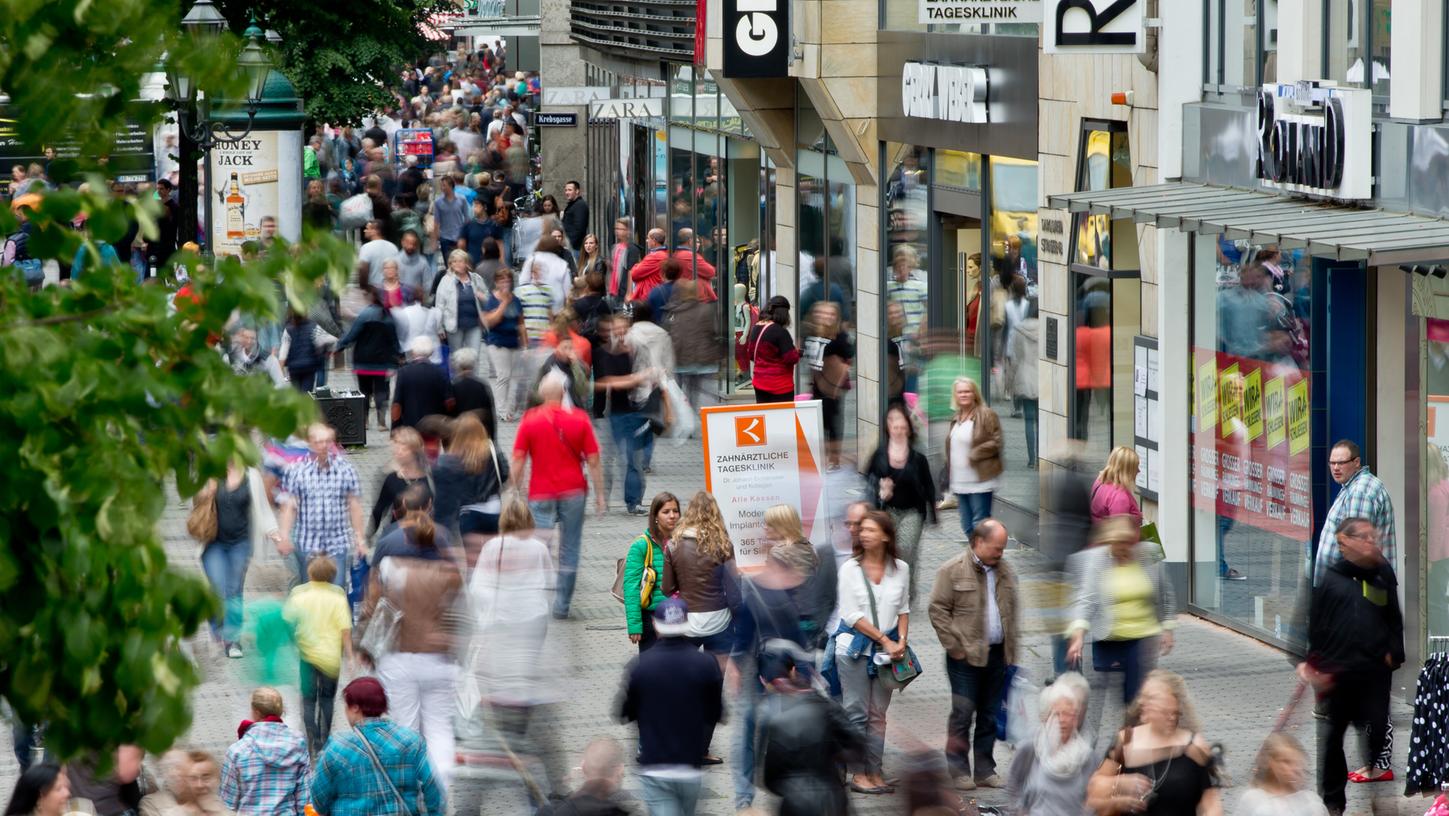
758 456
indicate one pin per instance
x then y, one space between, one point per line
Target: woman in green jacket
644 569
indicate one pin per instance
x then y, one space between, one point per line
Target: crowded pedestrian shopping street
1001 408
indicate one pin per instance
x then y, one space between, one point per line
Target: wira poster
758 456
256 177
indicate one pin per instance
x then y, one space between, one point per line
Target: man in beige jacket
973 609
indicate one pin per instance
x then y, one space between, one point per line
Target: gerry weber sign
1316 139
979 11
951 93
1093 27
756 38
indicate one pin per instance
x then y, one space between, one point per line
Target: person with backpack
303 351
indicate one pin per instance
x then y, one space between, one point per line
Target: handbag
201 522
898 673
646 581
379 639
377 766
656 410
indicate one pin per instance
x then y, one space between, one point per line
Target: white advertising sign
577 96
1316 139
626 109
951 93
758 456
257 177
979 11
1093 27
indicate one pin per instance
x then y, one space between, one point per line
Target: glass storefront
1251 453
1435 481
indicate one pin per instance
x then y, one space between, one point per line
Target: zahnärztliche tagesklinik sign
980 11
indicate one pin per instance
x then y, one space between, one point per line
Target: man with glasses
1362 496
1355 642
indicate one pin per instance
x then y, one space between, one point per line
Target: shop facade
959 237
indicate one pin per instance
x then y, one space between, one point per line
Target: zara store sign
950 93
1316 139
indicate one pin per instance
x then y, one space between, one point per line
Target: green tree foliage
344 59
107 393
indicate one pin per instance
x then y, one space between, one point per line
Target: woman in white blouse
874 616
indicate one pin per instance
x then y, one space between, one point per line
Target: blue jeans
974 509
670 797
976 692
1122 656
225 565
748 702
648 449
299 559
567 512
628 432
1029 410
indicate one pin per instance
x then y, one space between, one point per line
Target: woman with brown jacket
973 453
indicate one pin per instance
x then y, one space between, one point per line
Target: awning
1322 229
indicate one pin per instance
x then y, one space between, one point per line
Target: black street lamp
198 130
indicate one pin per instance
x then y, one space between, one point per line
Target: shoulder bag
382 772
646 581
201 523
898 673
379 639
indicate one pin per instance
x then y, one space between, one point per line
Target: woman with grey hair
1050 771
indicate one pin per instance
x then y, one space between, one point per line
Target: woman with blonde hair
1112 491
468 481
1160 764
1280 782
698 567
973 453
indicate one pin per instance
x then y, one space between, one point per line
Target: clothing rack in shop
1433 639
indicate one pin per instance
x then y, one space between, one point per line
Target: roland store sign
979 11
1316 139
950 93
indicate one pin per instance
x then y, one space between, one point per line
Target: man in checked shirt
321 495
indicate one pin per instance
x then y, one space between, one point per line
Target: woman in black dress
1159 764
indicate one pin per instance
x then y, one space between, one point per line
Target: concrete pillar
1418 54
563 149
1300 40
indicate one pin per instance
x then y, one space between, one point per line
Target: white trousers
421 690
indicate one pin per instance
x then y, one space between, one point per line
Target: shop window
1235 55
1250 454
954 168
1436 474
907 257
1359 43
1106 302
1015 347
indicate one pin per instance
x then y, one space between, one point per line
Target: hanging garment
1428 766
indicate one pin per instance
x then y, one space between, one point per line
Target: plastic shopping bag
684 421
1018 717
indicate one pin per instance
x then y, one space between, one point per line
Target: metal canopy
1326 230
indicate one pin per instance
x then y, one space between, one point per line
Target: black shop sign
756 38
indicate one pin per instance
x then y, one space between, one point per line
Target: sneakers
636 510
948 503
993 781
233 651
1234 575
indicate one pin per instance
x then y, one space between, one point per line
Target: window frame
1365 26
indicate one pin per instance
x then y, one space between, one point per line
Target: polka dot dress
1429 740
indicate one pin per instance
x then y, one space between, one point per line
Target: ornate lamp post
199 131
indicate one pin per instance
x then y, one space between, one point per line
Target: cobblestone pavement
1238 684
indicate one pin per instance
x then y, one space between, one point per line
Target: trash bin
346 412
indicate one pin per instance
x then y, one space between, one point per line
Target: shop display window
1251 475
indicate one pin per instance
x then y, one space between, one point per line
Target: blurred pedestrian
559 442
266 769
673 692
1050 770
379 767
193 779
973 453
1023 355
1161 764
828 352
1112 491
1125 604
503 317
804 736
644 567
602 792
321 621
656 353
1355 643
41 790
422 389
471 395
461 302
408 467
377 355
245 524
303 351
413 569
771 354
618 371
874 603
468 483
973 610
693 327
547 268
321 493
900 483
1280 782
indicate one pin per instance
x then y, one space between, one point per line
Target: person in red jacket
646 274
772 354
695 266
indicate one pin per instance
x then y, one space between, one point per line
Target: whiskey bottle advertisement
246 192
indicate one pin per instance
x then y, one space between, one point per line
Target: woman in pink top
1112 492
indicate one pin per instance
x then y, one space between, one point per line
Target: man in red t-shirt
559 441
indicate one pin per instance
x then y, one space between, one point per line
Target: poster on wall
1250 457
758 456
257 177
